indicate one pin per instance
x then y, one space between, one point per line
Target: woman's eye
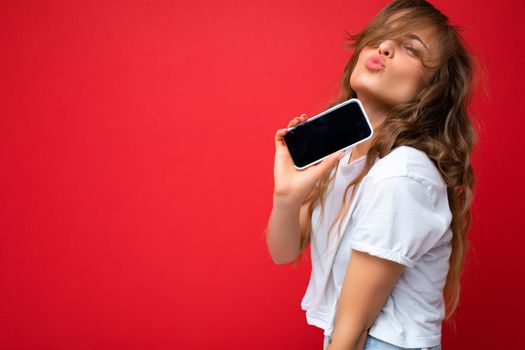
411 49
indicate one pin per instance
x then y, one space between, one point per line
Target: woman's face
390 73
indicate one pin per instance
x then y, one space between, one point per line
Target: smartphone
338 128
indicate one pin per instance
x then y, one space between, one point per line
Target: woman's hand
288 181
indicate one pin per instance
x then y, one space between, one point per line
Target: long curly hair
436 122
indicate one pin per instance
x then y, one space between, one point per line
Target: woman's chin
370 96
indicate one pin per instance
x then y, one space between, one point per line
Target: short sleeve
395 219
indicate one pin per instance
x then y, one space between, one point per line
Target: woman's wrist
287 199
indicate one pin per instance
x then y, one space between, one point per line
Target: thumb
328 162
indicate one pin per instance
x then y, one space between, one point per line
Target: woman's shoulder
407 177
408 161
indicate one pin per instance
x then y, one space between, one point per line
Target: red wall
136 170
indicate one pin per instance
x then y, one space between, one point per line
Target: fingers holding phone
297 120
288 180
281 149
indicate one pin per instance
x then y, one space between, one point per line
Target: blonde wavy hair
436 121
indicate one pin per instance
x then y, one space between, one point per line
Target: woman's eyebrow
415 37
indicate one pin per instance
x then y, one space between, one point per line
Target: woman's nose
386 48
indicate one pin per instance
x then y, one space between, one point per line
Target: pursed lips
375 62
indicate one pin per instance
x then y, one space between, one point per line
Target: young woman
400 200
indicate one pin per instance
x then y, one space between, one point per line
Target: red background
136 170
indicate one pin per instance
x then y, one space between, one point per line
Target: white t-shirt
400 212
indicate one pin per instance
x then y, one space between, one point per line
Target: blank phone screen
320 136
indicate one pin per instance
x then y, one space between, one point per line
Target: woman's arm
286 221
291 188
366 287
